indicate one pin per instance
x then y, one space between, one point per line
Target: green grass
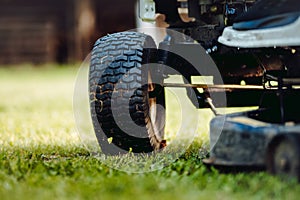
42 157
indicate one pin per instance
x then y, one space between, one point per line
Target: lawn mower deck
265 138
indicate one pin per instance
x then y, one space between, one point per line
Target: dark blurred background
58 31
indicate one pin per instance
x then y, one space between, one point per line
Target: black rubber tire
119 94
284 157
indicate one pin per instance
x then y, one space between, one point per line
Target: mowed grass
42 156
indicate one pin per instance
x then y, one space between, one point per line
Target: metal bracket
147 10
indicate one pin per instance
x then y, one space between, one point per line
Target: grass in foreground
41 156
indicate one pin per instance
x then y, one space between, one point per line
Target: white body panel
288 35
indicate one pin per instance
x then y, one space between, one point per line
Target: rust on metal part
208 86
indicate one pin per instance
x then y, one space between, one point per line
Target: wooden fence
43 31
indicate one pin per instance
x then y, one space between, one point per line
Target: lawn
42 156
